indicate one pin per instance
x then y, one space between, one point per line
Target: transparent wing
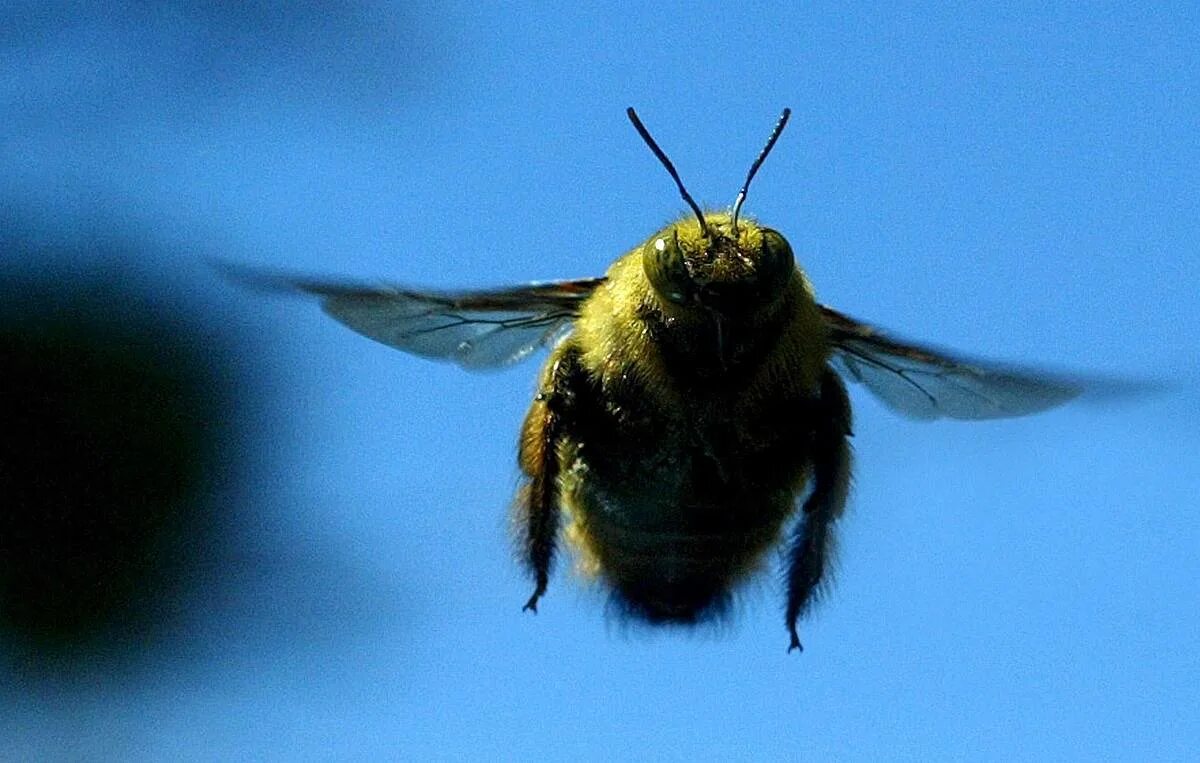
923 383
476 329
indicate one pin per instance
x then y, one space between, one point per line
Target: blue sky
1016 181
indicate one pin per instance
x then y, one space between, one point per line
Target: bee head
726 270
711 261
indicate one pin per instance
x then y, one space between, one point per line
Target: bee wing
477 330
924 383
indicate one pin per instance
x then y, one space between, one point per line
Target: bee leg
538 506
812 540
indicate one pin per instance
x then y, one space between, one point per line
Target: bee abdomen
673 577
686 601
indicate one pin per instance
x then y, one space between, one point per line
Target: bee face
718 268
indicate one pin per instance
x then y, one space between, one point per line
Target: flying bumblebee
692 414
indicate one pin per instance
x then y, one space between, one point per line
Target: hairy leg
812 540
538 503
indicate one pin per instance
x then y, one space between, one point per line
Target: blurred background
233 529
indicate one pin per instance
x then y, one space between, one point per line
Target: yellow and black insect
692 414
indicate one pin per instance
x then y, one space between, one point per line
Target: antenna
741 197
641 128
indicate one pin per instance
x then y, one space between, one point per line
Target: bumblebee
693 412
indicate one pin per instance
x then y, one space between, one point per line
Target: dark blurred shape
112 414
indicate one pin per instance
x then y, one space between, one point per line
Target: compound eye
776 262
663 262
